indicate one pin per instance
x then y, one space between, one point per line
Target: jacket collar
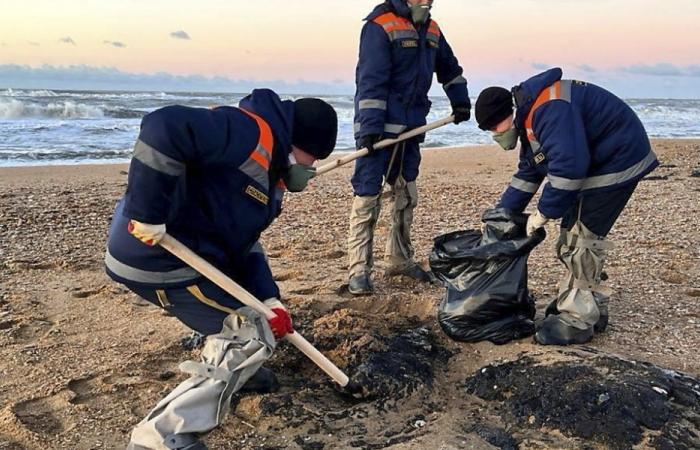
398 7
279 114
526 93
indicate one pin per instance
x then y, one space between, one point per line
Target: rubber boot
563 329
360 284
603 315
263 382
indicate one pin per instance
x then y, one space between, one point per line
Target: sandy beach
82 359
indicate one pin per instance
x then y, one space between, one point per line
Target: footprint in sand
45 416
306 290
334 254
25 329
286 276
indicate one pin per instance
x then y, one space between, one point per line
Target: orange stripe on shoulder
266 139
385 18
542 98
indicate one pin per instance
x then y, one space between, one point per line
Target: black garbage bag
486 277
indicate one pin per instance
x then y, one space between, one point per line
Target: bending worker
214 179
400 49
593 150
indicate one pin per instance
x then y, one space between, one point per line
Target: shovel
383 144
224 282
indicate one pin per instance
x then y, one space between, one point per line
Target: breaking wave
17 109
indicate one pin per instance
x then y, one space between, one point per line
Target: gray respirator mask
420 13
298 175
508 139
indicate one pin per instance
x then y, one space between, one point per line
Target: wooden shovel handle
220 279
383 144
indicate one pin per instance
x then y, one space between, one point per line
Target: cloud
115 44
67 40
586 68
33 44
180 34
540 66
663 69
82 77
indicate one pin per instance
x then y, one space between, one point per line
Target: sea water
73 127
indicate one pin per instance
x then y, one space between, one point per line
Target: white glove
274 302
147 233
534 222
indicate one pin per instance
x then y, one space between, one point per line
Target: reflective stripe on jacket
212 176
395 71
578 136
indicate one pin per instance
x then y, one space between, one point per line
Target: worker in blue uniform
213 179
401 48
592 150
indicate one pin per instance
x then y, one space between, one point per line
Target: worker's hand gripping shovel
383 144
219 278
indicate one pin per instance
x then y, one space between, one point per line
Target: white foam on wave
9 92
18 109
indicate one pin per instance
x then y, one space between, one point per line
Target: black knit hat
493 106
315 127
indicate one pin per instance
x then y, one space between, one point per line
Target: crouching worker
593 150
214 179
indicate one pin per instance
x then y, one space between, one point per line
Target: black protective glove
368 142
462 112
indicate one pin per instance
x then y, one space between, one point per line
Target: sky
635 48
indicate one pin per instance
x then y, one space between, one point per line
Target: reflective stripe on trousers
128 272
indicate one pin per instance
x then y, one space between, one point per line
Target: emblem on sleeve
257 195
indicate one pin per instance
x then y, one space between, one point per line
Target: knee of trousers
584 257
586 242
241 337
411 161
364 209
404 195
412 192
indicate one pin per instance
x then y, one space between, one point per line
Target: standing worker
214 179
401 47
593 150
